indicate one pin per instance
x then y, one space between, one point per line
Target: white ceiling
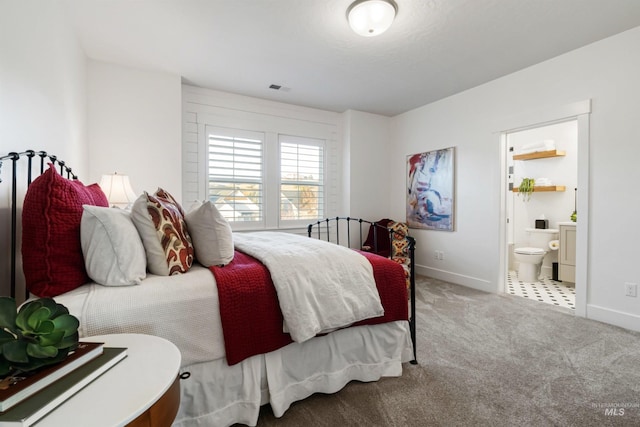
435 48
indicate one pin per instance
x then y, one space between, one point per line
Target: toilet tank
540 238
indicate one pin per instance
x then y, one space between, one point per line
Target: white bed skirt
217 394
220 395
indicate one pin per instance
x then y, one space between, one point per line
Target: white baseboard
458 279
613 317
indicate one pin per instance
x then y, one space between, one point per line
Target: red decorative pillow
51 252
162 227
381 237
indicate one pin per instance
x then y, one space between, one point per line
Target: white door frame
579 111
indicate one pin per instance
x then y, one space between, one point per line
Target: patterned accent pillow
400 247
51 251
160 222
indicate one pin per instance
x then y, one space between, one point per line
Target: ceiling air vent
280 88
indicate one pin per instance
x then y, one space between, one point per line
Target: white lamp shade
371 17
118 190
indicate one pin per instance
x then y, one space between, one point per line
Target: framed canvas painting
430 184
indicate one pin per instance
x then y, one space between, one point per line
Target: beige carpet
492 360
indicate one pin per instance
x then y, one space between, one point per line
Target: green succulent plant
41 333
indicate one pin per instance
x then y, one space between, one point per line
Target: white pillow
211 235
112 249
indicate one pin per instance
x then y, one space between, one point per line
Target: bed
244 341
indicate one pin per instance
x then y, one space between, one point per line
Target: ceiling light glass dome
370 18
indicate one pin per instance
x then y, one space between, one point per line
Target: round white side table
143 389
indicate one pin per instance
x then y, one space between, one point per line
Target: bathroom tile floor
547 290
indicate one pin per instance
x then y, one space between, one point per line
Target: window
235 174
244 172
243 177
301 178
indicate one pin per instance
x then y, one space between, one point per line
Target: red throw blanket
251 316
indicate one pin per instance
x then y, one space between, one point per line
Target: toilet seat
530 251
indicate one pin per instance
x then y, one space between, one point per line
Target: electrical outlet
436 255
630 289
441 256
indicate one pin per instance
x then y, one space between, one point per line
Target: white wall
368 142
135 126
42 83
605 72
42 97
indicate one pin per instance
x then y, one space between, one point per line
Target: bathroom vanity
567 253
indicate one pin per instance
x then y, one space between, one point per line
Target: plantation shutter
235 173
301 178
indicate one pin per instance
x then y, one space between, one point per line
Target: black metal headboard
18 159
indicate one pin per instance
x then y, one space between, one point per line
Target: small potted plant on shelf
526 188
41 333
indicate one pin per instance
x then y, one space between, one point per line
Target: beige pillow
211 234
112 249
159 220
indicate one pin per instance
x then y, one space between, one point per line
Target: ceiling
435 48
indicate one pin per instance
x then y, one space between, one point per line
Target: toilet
530 257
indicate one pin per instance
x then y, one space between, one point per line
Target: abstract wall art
430 186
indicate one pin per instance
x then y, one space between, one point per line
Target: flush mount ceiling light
370 18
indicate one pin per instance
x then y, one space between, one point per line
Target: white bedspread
183 309
321 286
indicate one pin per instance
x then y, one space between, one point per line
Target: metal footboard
330 229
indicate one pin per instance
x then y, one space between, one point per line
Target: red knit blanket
250 314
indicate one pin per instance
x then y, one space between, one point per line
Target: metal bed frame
15 157
30 155
323 232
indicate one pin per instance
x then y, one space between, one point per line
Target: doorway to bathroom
542 117
542 182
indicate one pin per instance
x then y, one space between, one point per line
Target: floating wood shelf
537 189
539 155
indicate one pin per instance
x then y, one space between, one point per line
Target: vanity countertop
566 223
